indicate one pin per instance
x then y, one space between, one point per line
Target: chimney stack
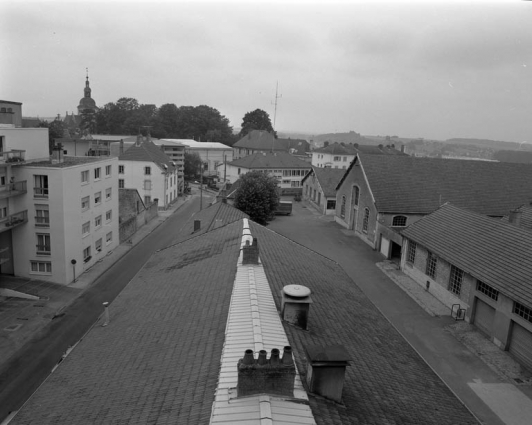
515 217
251 253
275 375
295 305
197 225
326 370
57 154
402 148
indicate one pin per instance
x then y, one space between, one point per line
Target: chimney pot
274 357
248 357
287 356
262 358
515 217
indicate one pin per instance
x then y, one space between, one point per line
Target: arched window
342 207
366 220
356 195
399 221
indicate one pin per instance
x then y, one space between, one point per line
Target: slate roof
158 360
277 160
497 253
328 179
147 151
410 185
212 217
264 140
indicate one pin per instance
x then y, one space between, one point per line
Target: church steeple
87 89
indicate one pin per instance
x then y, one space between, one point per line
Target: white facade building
146 168
57 216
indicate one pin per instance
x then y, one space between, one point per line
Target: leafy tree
56 130
257 196
193 165
256 120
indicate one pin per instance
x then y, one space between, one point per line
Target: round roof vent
296 291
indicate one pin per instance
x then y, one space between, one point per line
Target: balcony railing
13 220
14 156
13 189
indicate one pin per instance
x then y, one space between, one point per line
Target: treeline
202 123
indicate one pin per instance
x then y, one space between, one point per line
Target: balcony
14 189
15 156
13 220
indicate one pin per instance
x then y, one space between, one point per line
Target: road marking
510 404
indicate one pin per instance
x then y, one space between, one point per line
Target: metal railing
14 189
13 156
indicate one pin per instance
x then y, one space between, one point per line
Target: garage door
521 345
484 315
385 246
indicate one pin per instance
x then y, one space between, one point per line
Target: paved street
471 379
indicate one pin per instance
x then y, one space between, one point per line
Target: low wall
129 227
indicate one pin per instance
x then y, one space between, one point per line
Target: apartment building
58 215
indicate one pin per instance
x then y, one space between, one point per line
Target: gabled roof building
203 317
481 264
381 194
261 141
319 188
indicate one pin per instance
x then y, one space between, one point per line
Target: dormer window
399 221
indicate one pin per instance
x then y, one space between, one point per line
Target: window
107 170
40 189
97 173
147 170
147 184
120 169
108 193
109 237
85 176
487 290
356 195
98 245
98 198
44 267
85 202
337 158
294 184
108 216
455 280
365 222
43 244
98 221
3 212
331 204
342 207
86 228
238 171
286 181
411 253
87 254
2 179
147 200
432 261
523 311
42 216
120 183
399 221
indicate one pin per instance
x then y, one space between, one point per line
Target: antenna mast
276 97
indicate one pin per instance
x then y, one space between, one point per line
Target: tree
56 130
193 164
256 120
257 196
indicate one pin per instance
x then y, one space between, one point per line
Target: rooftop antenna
277 96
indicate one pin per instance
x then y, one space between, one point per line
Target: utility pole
201 187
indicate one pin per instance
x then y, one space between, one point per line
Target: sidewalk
21 319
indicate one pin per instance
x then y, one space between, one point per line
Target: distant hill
486 143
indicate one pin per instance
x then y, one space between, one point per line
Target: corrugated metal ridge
253 323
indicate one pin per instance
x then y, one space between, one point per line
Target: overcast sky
434 69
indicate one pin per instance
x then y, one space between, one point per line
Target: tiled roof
263 140
328 179
276 160
212 217
497 253
338 149
405 184
159 359
147 151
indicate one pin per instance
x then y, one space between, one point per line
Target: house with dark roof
481 265
286 168
319 188
340 155
381 194
261 141
209 332
145 167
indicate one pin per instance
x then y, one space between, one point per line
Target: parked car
284 207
